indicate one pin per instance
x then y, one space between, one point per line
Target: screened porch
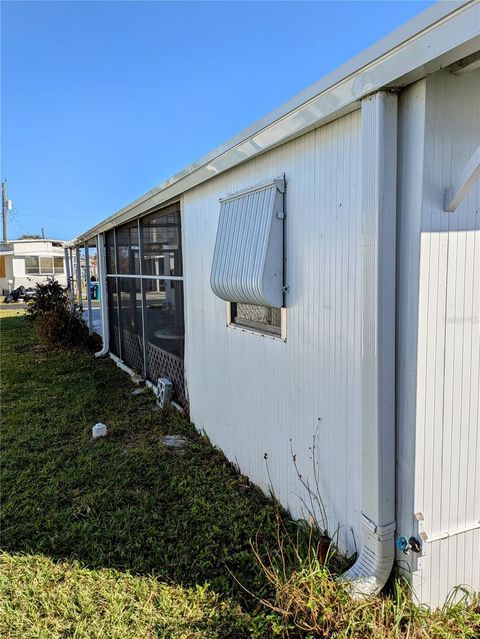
143 282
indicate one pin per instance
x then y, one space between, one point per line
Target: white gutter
379 173
438 37
102 277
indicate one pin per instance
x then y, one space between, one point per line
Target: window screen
262 318
113 315
110 245
128 251
164 324
161 237
145 295
130 311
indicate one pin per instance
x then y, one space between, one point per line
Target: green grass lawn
47 599
123 503
121 538
11 310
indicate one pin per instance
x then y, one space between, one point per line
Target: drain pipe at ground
102 278
379 174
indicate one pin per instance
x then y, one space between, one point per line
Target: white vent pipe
102 278
379 170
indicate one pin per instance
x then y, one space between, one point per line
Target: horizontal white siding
439 318
257 395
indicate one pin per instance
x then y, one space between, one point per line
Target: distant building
29 262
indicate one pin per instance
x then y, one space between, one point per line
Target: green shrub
59 322
49 297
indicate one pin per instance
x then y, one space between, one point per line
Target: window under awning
247 263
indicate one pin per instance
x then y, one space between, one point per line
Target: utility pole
4 209
43 233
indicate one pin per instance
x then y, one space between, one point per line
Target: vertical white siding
411 135
255 395
439 345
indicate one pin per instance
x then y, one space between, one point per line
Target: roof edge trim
437 37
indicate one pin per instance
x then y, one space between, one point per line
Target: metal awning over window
248 259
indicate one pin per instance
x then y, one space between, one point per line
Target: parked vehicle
20 293
15 295
29 294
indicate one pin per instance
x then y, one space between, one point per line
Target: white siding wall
439 340
8 274
255 395
18 265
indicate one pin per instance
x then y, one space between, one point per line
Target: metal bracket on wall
471 173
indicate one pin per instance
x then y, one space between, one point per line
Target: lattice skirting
132 350
163 364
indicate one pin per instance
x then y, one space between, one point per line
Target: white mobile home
29 262
318 278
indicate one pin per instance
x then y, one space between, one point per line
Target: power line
54 217
21 228
18 224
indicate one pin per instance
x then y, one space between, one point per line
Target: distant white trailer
312 289
29 262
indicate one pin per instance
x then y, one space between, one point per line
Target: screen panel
161 238
131 334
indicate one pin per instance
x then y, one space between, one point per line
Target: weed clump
310 601
57 321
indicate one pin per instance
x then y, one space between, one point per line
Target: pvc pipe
379 168
102 277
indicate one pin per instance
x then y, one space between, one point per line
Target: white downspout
102 278
379 170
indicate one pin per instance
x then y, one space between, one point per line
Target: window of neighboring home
32 265
58 264
35 265
46 265
262 318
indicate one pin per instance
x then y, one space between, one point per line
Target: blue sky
101 101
